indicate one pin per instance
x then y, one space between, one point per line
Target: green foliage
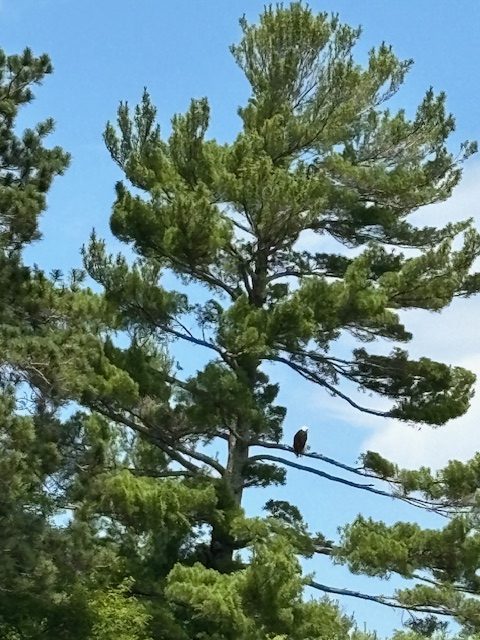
28 168
262 601
118 616
427 391
120 521
321 153
454 485
168 505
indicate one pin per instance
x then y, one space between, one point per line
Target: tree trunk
237 458
223 544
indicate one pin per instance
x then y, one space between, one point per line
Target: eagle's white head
304 429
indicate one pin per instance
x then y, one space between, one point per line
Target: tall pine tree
48 585
53 582
319 152
27 170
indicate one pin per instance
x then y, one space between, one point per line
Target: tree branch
189 338
176 446
359 471
122 419
315 456
441 508
296 273
322 474
387 601
244 267
239 225
201 457
206 276
147 473
313 377
439 585
185 336
416 502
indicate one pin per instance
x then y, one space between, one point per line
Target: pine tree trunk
237 459
223 544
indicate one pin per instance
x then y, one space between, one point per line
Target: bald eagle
300 440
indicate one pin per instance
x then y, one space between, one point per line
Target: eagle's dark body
300 441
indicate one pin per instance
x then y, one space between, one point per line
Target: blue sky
108 50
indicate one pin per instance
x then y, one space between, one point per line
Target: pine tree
28 453
50 583
319 152
47 572
28 168
26 174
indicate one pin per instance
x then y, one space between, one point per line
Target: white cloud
464 202
432 447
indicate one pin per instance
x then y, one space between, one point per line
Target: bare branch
147 433
438 508
311 376
330 550
185 336
244 267
295 273
177 446
315 456
149 473
439 585
442 508
206 276
201 457
190 338
240 226
322 474
385 600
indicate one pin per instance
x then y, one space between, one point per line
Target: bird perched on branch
300 441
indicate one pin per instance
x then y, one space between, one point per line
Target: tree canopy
120 522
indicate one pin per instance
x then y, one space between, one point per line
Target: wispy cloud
413 447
